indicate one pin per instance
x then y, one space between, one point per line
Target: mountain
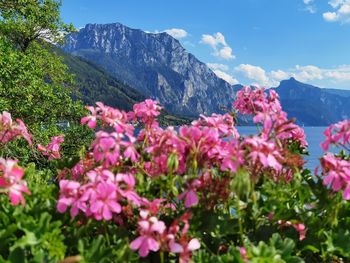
93 83
310 105
340 92
154 64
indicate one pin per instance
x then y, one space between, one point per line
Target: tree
25 21
34 82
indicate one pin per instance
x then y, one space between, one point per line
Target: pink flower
336 172
91 119
179 242
130 151
264 152
10 130
104 202
301 230
232 156
22 131
243 253
299 227
52 150
69 194
108 117
106 148
298 134
191 198
337 134
11 179
128 191
147 111
223 123
185 249
149 228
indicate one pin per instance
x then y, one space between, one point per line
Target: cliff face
154 64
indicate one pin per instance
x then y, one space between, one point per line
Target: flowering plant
199 192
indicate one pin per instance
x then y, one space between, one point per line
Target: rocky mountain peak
155 64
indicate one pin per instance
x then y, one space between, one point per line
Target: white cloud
255 73
219 70
225 76
310 6
309 74
177 33
225 53
340 12
214 40
279 75
336 3
330 16
219 45
311 9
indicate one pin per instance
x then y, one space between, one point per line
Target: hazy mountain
154 64
340 92
312 106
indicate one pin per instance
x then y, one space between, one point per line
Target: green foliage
25 21
35 84
32 233
276 251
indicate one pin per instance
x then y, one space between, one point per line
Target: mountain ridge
311 105
154 64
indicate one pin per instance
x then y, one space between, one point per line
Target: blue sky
245 41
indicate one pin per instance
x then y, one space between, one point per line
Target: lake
314 136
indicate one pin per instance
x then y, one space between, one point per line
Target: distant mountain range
313 106
119 66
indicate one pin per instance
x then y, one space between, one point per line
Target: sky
258 42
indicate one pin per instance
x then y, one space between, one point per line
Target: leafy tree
26 21
35 84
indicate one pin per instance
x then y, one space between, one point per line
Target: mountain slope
154 64
92 84
310 105
340 92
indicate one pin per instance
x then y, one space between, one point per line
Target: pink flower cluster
336 172
150 230
147 111
336 169
154 235
337 134
103 185
52 150
10 173
100 197
11 181
9 130
178 240
108 116
264 152
267 111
